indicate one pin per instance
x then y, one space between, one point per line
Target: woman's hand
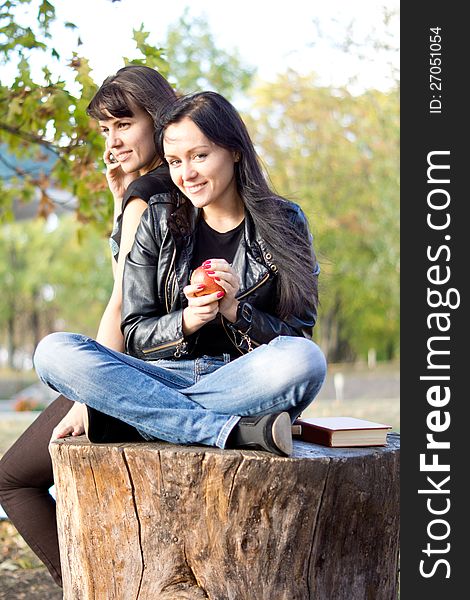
117 179
72 424
226 276
200 309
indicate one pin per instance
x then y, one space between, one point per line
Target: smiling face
131 140
202 170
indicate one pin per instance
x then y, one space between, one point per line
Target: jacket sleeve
149 332
255 326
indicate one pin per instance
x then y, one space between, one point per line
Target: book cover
341 432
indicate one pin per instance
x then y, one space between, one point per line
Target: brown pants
25 479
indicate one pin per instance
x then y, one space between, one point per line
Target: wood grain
158 521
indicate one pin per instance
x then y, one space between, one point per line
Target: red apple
200 277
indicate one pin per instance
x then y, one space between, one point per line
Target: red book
340 432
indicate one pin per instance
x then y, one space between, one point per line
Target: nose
188 172
113 139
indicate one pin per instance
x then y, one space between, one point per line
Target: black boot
103 429
272 433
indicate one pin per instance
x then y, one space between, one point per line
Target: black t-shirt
157 181
210 243
212 339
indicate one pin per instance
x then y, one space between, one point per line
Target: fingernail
216 278
211 272
220 294
206 262
201 286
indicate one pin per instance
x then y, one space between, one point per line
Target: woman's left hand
72 424
226 276
117 179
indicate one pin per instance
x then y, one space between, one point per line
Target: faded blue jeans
197 401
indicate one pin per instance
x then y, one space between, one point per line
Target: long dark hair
272 215
134 84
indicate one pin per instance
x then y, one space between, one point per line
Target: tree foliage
198 64
50 280
337 155
39 113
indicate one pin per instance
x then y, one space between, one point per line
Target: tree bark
156 521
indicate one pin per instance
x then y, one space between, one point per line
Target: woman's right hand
200 309
72 424
117 179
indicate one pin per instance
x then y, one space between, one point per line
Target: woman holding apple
229 368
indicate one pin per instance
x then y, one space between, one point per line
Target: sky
268 34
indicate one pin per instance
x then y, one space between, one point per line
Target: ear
236 156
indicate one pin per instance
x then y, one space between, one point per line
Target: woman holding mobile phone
125 107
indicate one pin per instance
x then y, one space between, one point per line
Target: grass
12 382
12 427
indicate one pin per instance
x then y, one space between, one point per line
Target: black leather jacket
158 268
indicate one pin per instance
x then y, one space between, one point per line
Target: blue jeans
196 401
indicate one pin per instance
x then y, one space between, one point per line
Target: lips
122 156
192 189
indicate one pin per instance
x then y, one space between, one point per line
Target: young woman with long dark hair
125 107
232 368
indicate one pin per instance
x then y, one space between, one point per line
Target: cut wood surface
155 521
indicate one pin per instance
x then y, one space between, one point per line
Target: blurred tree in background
337 155
51 278
196 62
332 151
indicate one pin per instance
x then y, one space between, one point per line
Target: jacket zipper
265 278
231 338
250 342
180 344
181 347
170 273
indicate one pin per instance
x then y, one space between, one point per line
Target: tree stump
155 521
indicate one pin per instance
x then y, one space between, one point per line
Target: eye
124 125
199 156
174 162
104 131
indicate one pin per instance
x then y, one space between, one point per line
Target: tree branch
31 137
